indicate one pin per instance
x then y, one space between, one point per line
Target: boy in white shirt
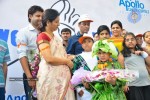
86 61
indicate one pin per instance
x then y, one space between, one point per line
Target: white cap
84 17
85 36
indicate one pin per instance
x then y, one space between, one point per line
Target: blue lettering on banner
13 37
133 4
10 97
135 9
4 33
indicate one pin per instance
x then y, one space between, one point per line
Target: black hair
66 30
145 34
49 15
117 22
34 9
102 28
126 51
94 34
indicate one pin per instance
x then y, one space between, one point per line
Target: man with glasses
74 47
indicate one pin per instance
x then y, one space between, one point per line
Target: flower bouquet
100 89
34 65
121 74
99 75
78 76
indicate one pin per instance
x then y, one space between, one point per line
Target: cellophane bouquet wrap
99 75
78 76
34 65
121 74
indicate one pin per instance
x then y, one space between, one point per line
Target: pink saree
54 81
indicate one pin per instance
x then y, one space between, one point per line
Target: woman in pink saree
54 69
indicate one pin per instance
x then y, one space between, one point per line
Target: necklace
103 65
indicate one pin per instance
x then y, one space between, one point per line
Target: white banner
134 15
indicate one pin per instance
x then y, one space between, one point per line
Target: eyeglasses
139 39
128 40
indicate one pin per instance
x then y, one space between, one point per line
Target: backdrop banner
134 15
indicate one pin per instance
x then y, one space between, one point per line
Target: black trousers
138 93
27 89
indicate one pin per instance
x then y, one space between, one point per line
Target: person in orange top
116 28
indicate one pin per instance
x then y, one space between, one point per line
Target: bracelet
144 55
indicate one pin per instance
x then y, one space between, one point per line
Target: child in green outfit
111 87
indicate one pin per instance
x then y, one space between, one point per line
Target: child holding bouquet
85 61
110 88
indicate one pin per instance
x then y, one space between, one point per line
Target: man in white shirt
26 42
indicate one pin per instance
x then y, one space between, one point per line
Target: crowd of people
111 49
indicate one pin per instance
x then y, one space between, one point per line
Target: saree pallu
117 42
54 81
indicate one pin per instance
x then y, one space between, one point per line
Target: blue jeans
27 89
2 93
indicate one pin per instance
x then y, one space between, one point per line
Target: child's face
123 32
104 35
139 40
130 41
103 56
147 38
87 44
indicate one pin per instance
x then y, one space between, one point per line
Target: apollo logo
131 4
135 9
